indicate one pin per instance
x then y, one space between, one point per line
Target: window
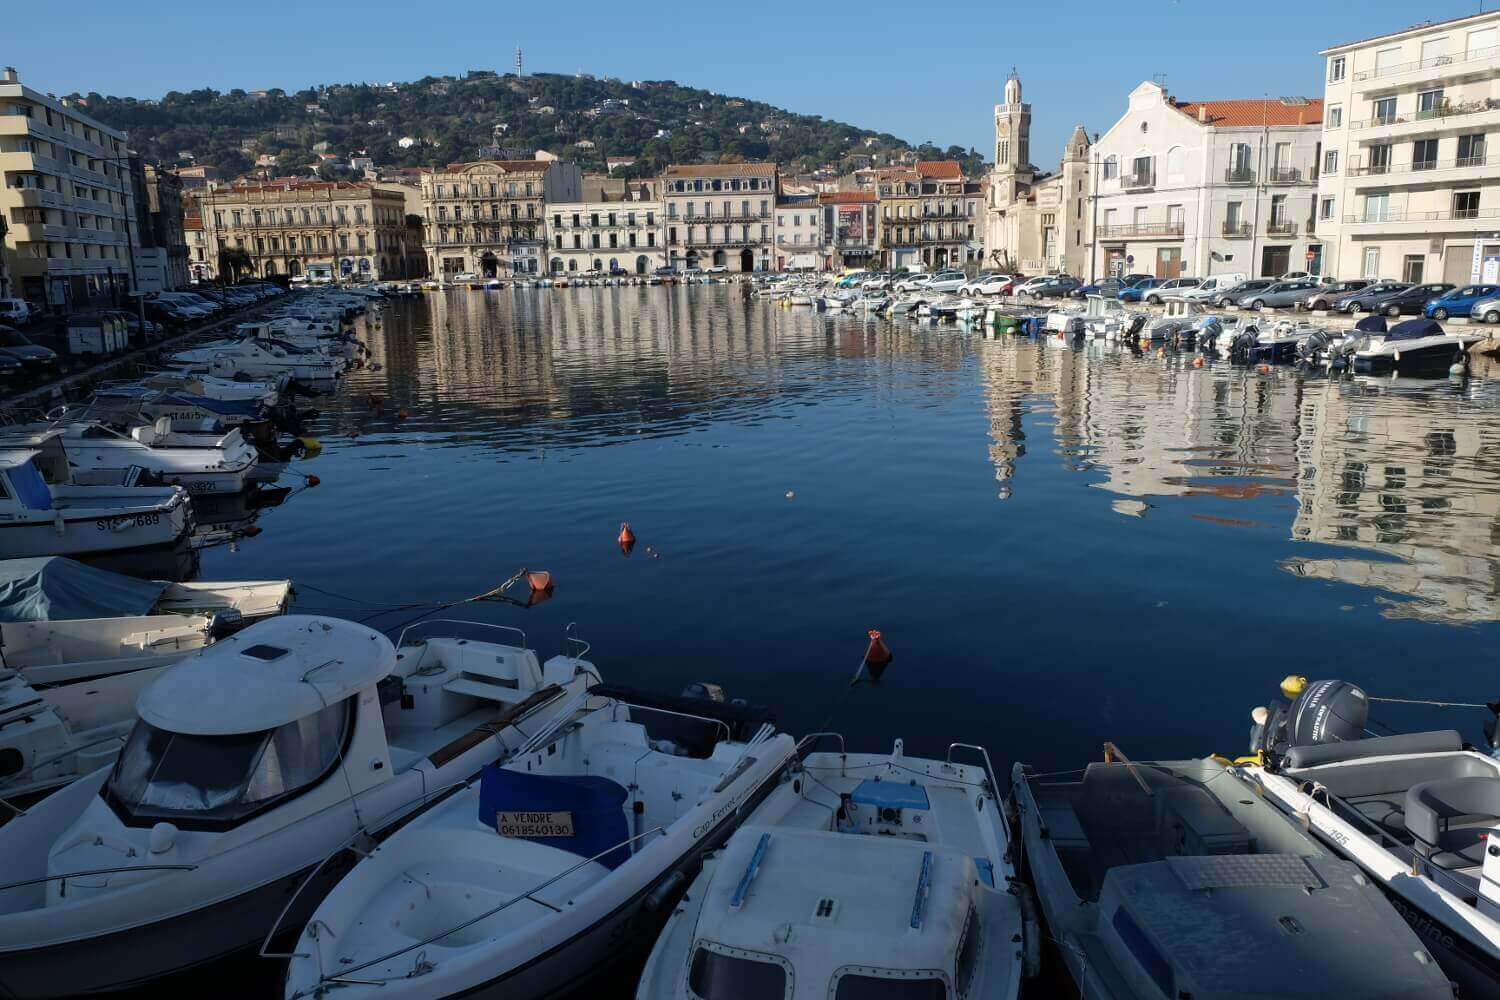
1330 161
1380 159
1424 154
1176 164
1384 111
1372 263
1481 43
1334 116
1232 214
1175 218
1466 204
1377 206
1430 104
1471 150
222 779
1326 208
1411 268
856 987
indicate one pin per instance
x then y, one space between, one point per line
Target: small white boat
1419 813
860 875
258 360
99 455
255 763
58 518
558 861
1414 345
267 393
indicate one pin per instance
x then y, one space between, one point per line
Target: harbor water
1062 544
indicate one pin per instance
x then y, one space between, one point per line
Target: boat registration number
534 824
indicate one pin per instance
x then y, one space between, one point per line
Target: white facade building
605 237
799 233
1409 189
1206 187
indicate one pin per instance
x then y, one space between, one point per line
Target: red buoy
251 531
878 655
627 538
313 480
539 579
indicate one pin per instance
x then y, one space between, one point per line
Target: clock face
1002 128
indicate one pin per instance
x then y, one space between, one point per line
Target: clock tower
1012 140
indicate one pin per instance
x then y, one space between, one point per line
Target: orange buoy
1264 369
1161 352
878 655
313 480
539 579
627 538
252 531
1197 362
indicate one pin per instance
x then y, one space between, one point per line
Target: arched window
1176 164
573 265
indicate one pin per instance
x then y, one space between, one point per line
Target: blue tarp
889 795
55 589
1413 329
1371 324
224 407
26 480
595 807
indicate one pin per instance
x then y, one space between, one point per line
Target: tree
235 263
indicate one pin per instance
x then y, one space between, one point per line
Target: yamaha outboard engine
1309 349
1207 331
1137 323
1310 715
1244 344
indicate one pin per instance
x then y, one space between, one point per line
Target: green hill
460 118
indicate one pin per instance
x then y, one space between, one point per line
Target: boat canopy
1414 329
1371 324
274 672
54 588
27 483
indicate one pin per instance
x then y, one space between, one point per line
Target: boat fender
163 836
1031 931
662 896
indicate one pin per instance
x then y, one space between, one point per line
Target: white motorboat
1068 319
558 862
257 765
81 643
1175 879
1414 345
1179 317
1418 812
99 455
861 874
267 393
259 360
58 518
325 337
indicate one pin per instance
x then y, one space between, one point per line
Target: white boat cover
54 588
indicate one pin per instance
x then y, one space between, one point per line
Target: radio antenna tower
520 70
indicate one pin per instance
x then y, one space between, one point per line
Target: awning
56 589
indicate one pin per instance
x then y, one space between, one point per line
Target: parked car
14 343
1304 276
1364 299
1130 279
1030 285
717 269
946 281
1459 301
1058 288
10 367
1322 297
1137 291
1108 288
15 312
1172 288
1278 296
913 282
1486 310
1411 300
1231 295
973 285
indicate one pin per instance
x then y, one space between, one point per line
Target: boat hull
83 535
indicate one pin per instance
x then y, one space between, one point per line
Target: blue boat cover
56 589
26 480
890 795
1415 328
595 807
227 407
1371 324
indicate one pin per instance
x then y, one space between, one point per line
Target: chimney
1203 114
8 75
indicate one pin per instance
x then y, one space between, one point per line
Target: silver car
1279 295
1486 310
1173 288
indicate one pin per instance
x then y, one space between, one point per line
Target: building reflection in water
1402 476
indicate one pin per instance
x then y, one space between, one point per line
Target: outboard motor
1207 331
1244 344
1309 349
1137 323
1309 715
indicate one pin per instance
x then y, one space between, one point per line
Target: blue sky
923 72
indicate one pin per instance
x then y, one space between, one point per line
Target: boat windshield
218 780
715 975
852 986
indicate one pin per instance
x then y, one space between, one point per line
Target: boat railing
527 894
97 871
578 647
66 753
989 769
401 640
720 723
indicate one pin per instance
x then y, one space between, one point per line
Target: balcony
1281 228
1477 62
1437 172
1142 230
1140 180
1239 175
1290 175
1421 223
1236 230
1448 114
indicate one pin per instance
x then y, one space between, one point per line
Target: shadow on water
1062 544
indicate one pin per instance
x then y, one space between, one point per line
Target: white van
1213 286
15 312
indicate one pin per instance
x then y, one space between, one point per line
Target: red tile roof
1257 111
943 170
846 197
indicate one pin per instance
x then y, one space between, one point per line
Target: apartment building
720 215
1408 187
324 230
161 255
616 229
200 263
799 233
898 191
850 228
1205 187
950 226
488 217
67 201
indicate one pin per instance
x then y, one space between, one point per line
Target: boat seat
1448 819
1438 741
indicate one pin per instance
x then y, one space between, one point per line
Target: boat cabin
23 485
